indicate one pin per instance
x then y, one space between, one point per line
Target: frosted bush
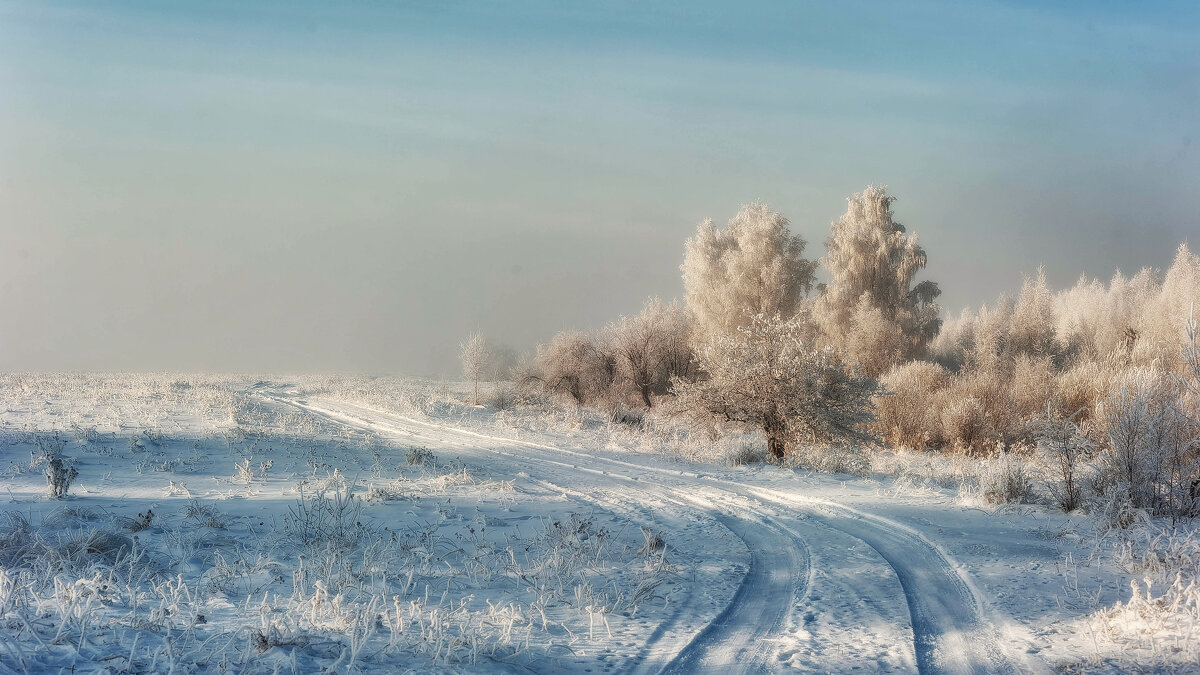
650 349
574 365
1157 625
502 397
1005 479
743 451
1061 442
848 459
418 456
1143 434
1082 388
964 424
629 417
904 414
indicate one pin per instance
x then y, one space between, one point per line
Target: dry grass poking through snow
257 538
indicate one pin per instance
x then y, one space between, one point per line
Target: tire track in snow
737 641
951 633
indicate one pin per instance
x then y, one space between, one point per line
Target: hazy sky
296 186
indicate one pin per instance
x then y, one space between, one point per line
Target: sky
299 186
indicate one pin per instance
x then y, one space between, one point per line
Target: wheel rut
951 633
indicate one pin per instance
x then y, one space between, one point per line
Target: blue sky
355 186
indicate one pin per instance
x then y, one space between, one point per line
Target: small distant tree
474 355
754 266
769 376
870 256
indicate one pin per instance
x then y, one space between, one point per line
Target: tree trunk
776 436
646 396
776 446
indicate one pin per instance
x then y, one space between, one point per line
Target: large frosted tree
769 375
872 263
753 266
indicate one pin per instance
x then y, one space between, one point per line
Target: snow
303 524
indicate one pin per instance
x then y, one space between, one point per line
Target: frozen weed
389 491
203 515
456 477
1005 480
59 476
142 522
1156 628
418 456
321 517
652 543
1165 553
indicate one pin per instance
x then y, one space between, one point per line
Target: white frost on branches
474 353
872 265
651 348
753 266
770 376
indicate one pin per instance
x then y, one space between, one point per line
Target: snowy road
813 597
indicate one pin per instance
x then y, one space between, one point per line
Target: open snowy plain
232 524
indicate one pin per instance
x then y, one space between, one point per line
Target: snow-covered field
349 524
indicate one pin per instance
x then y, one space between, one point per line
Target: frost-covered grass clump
1155 626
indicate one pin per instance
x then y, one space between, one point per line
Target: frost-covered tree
869 255
575 365
473 352
651 347
1032 325
770 376
1164 317
1094 322
977 341
754 266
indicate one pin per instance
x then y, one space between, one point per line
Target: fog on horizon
302 187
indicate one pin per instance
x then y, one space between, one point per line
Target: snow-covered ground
346 524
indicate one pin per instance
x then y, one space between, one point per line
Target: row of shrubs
1101 379
1106 378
